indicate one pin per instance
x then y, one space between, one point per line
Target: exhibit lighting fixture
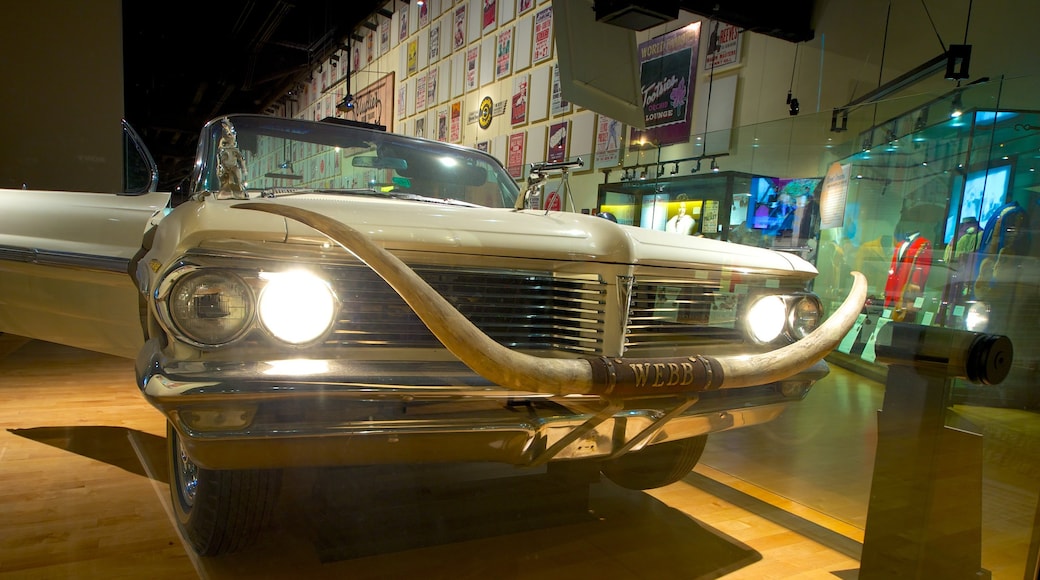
793 107
346 105
370 25
957 106
385 13
714 165
958 57
697 167
675 169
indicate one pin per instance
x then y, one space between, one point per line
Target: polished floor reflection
83 494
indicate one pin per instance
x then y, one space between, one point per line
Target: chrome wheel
186 476
218 511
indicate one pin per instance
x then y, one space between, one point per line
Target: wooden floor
83 494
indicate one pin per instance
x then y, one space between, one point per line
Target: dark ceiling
188 61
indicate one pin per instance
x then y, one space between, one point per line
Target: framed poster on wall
543 35
504 54
518 114
558 142
515 154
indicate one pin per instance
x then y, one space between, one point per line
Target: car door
65 258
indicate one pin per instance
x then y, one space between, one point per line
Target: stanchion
924 519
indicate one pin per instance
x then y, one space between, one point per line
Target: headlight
297 307
766 318
805 317
211 308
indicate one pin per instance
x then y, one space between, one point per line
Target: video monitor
985 190
774 198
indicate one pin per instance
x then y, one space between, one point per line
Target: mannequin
1005 236
965 240
911 263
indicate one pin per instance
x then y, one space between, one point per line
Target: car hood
415 226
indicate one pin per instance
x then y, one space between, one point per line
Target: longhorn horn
609 377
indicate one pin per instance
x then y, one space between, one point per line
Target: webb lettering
662 374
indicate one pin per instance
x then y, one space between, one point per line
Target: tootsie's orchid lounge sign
666 74
375 103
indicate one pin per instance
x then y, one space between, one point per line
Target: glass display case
769 212
941 220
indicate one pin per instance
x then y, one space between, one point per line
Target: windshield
248 156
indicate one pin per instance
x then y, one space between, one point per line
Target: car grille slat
536 311
680 313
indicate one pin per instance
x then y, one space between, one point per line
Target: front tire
218 511
656 465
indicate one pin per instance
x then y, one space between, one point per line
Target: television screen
775 199
985 190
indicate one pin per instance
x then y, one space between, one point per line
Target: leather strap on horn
628 377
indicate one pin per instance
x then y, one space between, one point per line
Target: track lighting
714 165
697 167
675 169
957 106
346 105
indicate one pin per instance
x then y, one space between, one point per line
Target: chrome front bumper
243 416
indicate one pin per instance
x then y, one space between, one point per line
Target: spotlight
793 107
696 168
958 57
957 106
346 105
714 166
675 169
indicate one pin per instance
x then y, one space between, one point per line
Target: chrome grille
665 312
518 309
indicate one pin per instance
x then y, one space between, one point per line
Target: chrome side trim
63 259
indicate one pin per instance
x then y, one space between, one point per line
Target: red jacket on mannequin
911 262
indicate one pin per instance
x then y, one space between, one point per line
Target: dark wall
61 95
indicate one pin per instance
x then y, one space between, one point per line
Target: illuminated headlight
805 317
211 308
977 317
766 318
296 307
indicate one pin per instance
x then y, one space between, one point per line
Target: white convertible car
333 295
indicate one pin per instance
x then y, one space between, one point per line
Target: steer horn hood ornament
604 376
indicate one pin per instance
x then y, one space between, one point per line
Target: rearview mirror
374 162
